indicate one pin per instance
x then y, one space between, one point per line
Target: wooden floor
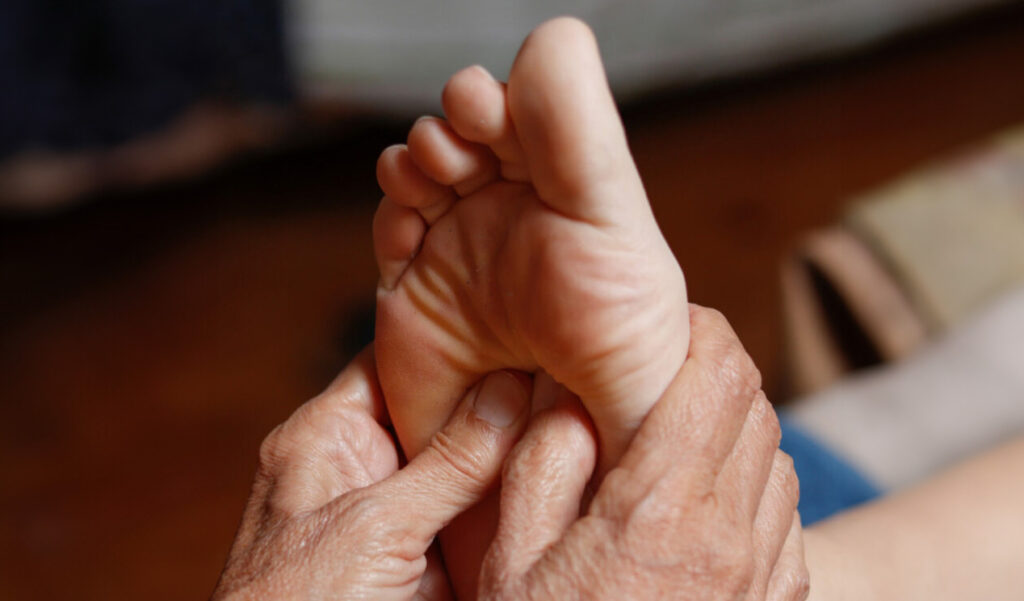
149 341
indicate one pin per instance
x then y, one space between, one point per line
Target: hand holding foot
517 235
710 515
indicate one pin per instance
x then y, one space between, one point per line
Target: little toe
477 108
397 235
406 185
447 158
568 124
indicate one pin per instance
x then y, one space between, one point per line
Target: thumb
462 461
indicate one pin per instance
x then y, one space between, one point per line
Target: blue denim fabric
828 484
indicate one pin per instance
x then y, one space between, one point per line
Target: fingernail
501 399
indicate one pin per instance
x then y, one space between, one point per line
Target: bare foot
518 235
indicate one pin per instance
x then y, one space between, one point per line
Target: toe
405 184
447 158
568 125
477 108
397 234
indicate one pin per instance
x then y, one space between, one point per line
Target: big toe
568 125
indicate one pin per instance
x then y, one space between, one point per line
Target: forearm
957 536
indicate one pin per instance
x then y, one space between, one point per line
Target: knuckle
706 316
711 323
361 509
801 584
527 457
724 348
730 369
737 368
767 419
369 523
795 585
274 451
466 465
554 446
790 483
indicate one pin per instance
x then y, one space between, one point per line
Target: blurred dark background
185 250
91 74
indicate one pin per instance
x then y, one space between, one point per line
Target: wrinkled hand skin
702 507
332 517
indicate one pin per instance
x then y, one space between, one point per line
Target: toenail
484 71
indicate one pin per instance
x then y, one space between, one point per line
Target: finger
774 522
461 462
358 387
330 445
694 426
747 469
542 486
706 405
790 580
434 585
466 540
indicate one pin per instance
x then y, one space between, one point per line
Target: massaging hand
332 517
702 506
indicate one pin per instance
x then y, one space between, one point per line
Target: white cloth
961 395
396 54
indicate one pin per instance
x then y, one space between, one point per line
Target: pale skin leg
517 234
958 536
